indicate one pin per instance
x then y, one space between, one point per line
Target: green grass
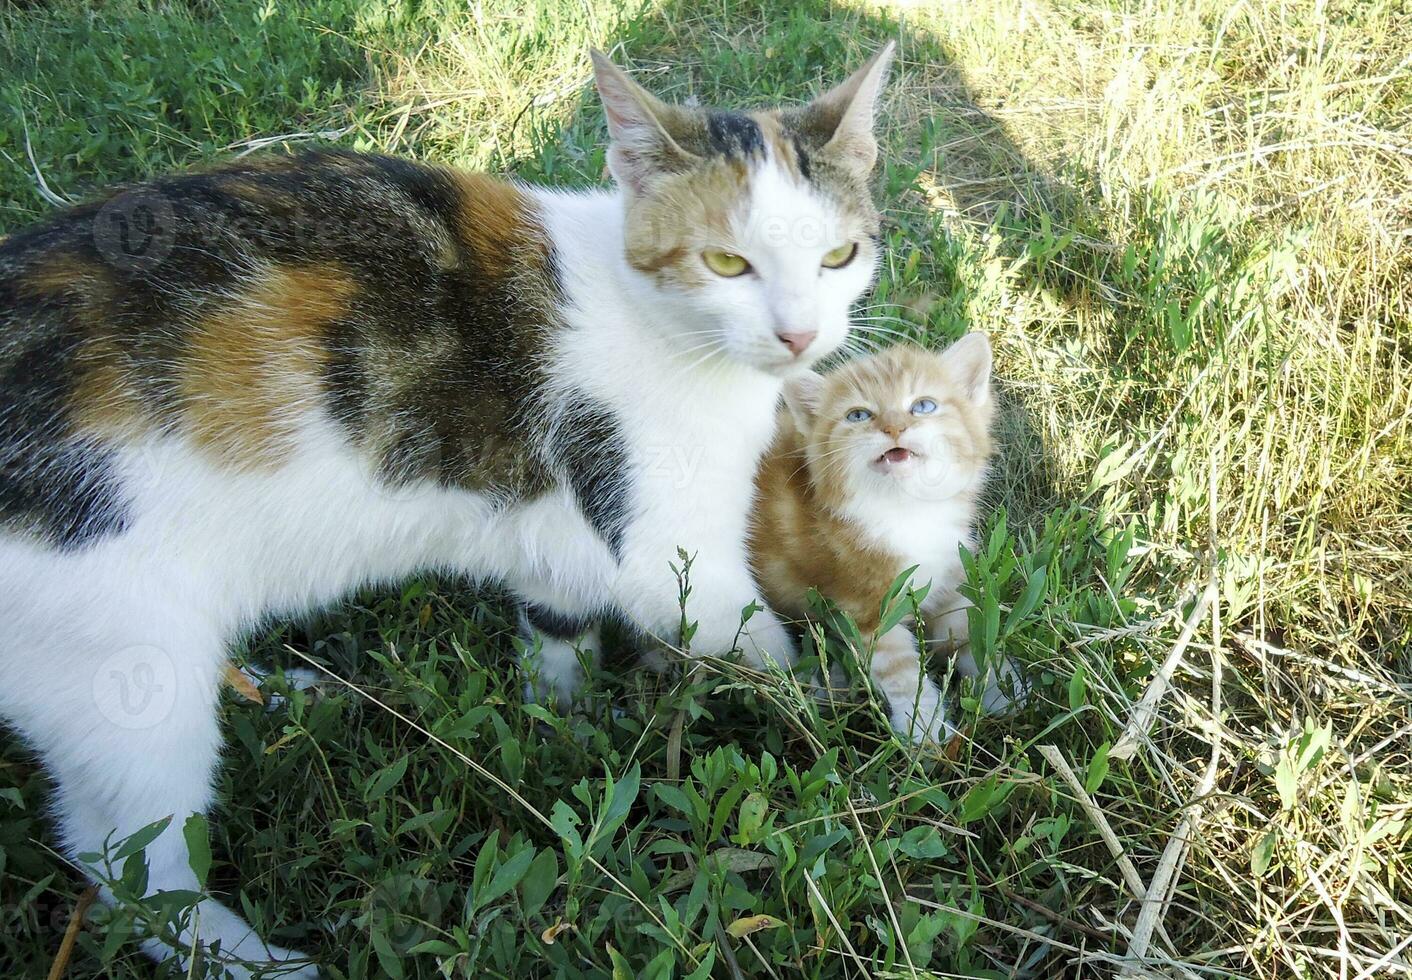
1186 227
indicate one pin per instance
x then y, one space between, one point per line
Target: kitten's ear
968 360
802 396
841 120
639 124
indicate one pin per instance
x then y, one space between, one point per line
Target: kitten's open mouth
895 456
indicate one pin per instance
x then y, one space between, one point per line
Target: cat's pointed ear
841 120
803 394
639 125
968 361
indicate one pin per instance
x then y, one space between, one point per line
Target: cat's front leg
915 705
718 589
130 734
556 634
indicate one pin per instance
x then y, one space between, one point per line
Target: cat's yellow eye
726 264
837 258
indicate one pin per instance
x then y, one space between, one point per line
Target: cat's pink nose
796 342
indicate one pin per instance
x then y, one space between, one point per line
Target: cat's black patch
67 494
554 272
734 134
551 623
431 189
802 155
344 378
589 446
63 488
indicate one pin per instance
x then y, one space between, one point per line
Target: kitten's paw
923 720
1005 690
832 689
1002 688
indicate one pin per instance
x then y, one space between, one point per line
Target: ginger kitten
876 467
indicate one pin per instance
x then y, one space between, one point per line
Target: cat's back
402 305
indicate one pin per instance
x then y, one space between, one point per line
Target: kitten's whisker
821 458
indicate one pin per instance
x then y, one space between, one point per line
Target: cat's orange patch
99 399
492 220
103 401
252 368
68 274
667 230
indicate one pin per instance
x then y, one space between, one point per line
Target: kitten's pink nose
796 342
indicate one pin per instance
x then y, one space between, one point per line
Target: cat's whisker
683 351
700 361
883 324
711 346
875 333
882 328
861 345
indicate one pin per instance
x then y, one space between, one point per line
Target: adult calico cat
246 392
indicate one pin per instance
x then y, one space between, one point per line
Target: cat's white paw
303 678
555 693
557 689
250 958
293 967
657 659
297 679
553 674
242 954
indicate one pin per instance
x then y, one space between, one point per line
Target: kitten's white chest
928 536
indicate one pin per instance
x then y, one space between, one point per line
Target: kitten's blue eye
923 406
858 415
